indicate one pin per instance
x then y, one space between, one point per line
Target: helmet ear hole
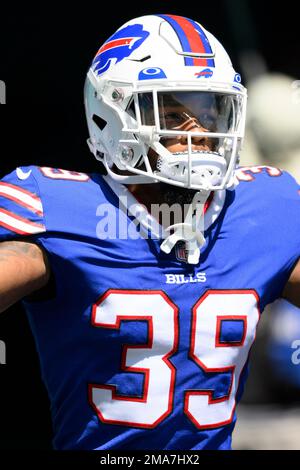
101 123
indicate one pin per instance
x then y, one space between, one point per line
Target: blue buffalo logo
119 46
206 73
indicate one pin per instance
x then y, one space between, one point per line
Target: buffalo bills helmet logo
206 73
119 46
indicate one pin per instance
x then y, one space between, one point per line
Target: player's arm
291 291
23 269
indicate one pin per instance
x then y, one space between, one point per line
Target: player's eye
174 119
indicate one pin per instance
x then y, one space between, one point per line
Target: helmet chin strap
190 231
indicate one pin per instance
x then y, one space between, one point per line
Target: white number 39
207 350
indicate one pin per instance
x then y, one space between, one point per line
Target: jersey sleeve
21 207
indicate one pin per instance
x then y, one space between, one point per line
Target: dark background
45 52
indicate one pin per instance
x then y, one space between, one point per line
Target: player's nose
200 141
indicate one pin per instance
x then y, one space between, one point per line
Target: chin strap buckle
190 231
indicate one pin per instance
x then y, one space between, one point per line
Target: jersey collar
133 207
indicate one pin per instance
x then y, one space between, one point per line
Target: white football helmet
149 76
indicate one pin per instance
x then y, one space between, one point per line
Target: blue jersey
138 349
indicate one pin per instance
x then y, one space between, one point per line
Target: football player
144 323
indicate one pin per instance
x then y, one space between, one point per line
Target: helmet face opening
211 112
185 106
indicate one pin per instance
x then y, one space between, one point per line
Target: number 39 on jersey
211 320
